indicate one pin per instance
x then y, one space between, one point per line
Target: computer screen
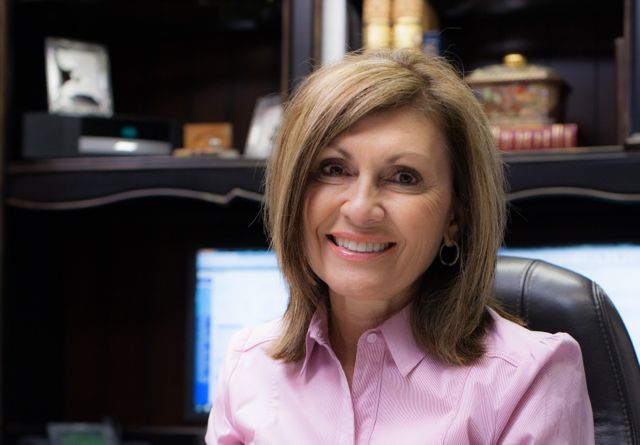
233 289
615 268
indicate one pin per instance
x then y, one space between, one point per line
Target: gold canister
516 92
377 35
376 16
407 8
407 23
407 33
376 10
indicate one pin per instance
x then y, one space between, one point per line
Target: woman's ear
452 231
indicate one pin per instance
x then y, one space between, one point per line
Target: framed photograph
78 78
267 115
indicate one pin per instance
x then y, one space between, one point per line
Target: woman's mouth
360 246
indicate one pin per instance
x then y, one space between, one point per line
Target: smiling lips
353 249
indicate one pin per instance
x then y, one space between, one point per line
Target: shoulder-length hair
449 312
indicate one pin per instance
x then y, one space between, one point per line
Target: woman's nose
362 205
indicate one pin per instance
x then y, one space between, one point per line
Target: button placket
366 383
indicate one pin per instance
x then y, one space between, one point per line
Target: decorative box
518 93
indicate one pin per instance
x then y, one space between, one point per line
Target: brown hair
449 312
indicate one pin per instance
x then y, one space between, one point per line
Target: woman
385 206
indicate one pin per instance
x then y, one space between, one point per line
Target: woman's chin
364 292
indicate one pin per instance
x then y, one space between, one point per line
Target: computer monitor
615 267
233 289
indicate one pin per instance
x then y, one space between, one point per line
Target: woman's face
378 207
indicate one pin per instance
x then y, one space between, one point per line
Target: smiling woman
331 107
377 209
385 206
376 212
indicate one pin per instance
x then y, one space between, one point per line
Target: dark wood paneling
98 304
564 220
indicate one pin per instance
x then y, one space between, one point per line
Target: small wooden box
208 135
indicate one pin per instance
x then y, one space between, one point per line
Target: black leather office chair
550 298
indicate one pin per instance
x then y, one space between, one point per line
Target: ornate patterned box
518 93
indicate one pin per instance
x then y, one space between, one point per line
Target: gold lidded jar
377 24
407 23
516 92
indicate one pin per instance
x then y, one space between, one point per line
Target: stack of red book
531 137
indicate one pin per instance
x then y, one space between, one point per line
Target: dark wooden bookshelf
95 251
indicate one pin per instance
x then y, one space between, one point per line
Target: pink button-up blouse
529 388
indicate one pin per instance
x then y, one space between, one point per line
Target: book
531 137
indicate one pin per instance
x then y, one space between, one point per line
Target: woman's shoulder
248 339
248 348
524 373
515 344
523 365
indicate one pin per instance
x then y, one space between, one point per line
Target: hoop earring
456 256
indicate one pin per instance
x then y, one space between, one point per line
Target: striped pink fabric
529 388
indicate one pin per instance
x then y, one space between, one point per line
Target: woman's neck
348 320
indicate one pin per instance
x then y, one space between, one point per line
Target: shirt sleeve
550 402
221 429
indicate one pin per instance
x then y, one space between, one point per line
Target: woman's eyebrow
396 156
390 160
340 150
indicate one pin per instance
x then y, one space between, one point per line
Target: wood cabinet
96 251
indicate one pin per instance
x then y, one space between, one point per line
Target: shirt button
371 338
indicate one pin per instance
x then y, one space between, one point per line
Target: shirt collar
396 331
318 332
401 343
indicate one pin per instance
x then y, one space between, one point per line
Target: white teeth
361 247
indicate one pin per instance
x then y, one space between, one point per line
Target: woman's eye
405 178
333 170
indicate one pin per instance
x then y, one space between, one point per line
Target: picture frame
265 123
78 78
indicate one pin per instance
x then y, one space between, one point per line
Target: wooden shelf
608 173
64 184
